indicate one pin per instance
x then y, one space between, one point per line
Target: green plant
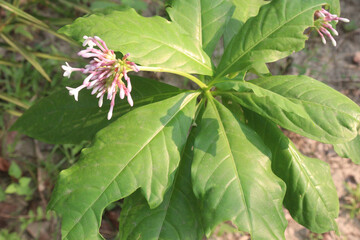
352 200
188 160
6 235
315 236
23 185
32 217
226 228
19 21
2 194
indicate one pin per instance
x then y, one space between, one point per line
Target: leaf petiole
186 75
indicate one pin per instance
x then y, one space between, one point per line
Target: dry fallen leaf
356 58
4 165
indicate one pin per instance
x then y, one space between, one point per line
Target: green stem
188 76
209 95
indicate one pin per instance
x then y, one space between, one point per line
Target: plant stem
188 76
209 95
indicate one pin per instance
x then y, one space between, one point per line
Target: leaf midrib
300 100
125 165
178 50
282 96
331 134
297 157
262 39
176 178
218 118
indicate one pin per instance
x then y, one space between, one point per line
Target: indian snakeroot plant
187 160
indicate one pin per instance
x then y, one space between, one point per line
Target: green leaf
139 5
247 9
6 235
150 41
177 218
101 5
349 149
232 177
68 121
140 150
311 196
231 83
205 20
20 29
276 32
2 194
26 54
303 105
260 69
14 170
244 9
22 188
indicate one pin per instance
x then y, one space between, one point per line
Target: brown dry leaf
107 230
39 230
4 164
113 218
356 58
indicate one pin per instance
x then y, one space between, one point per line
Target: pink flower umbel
324 27
105 73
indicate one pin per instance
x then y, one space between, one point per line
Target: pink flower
105 73
324 27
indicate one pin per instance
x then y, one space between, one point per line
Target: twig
40 180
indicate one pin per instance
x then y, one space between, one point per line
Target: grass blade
26 54
49 30
9 63
21 13
76 6
13 100
37 54
54 57
14 113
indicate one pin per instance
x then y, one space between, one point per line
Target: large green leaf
349 149
311 196
139 150
150 41
177 218
303 105
244 9
232 176
205 20
276 32
60 119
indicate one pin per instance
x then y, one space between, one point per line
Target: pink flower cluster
105 73
325 25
